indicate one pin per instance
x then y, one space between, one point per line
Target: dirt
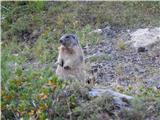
127 66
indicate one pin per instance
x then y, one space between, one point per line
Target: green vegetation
30 33
122 45
143 108
100 58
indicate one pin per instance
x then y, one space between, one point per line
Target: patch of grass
11 11
145 104
11 55
143 108
45 48
88 38
91 109
37 5
72 16
28 93
74 102
100 58
122 45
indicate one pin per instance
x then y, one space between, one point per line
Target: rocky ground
116 62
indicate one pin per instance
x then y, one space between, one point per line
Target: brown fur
70 63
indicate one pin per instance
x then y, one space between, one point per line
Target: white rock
100 91
145 37
98 31
120 99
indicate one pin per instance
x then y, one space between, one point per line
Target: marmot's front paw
57 63
61 63
66 67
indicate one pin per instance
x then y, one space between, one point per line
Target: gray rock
142 49
121 100
145 37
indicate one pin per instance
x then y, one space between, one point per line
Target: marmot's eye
67 37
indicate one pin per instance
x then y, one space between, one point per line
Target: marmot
70 59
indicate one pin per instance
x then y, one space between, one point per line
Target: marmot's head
69 40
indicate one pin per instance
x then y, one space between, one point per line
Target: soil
127 66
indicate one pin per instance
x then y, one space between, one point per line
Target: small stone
95 70
142 49
158 86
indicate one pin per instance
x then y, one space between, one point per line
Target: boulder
142 38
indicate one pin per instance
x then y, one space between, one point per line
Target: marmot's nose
61 41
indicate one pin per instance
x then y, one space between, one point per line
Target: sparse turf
30 33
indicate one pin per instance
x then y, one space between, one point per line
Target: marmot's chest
67 51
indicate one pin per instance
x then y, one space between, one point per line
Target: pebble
142 49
